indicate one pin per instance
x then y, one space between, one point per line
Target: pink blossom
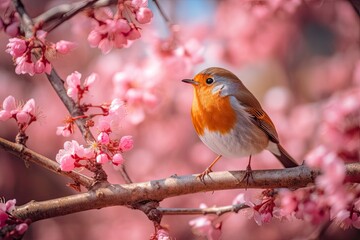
24 66
42 67
64 47
90 80
16 47
94 38
116 30
205 227
73 82
103 125
21 228
139 3
102 158
63 130
13 29
126 143
118 159
6 208
66 157
27 112
103 138
144 15
163 234
315 158
9 108
133 34
122 26
116 106
116 112
288 202
67 163
201 226
105 45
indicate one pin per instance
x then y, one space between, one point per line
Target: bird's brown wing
263 121
258 115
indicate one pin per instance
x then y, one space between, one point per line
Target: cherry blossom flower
103 138
64 47
163 234
74 88
71 154
126 143
118 30
132 87
5 209
23 115
102 158
117 159
16 47
144 15
205 226
12 227
64 131
9 108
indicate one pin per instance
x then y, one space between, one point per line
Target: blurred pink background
295 56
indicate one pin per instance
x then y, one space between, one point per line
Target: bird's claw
202 175
247 176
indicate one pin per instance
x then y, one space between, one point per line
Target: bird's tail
284 157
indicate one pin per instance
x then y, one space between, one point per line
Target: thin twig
27 23
31 156
57 13
162 13
67 15
205 211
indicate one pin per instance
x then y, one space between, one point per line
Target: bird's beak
190 81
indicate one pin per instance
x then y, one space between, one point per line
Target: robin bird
230 120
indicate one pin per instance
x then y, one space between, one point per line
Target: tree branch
27 23
203 211
69 14
157 190
64 12
31 156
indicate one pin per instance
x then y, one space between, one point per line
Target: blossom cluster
118 30
16 227
106 148
24 115
132 87
22 50
103 151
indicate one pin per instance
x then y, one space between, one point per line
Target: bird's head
213 82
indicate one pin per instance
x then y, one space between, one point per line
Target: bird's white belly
233 144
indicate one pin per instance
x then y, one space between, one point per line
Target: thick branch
31 156
157 190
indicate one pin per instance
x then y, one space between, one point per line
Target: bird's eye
209 81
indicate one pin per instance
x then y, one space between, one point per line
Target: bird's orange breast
213 112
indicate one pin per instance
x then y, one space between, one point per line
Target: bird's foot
247 176
202 175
